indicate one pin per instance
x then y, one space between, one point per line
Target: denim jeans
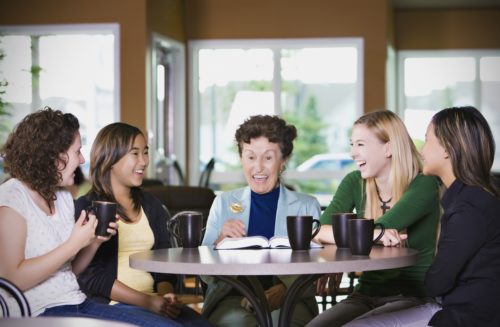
187 318
125 313
413 317
360 306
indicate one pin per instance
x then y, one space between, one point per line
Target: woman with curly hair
42 249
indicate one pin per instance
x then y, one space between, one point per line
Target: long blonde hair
405 160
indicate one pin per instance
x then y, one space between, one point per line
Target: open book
256 242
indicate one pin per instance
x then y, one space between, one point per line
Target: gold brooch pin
236 207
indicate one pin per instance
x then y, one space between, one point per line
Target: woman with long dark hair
118 161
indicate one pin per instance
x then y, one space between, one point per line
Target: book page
279 242
316 245
276 242
282 242
243 242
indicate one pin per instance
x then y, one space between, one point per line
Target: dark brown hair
110 145
35 148
274 128
466 136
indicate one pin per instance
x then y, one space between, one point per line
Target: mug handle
382 231
186 212
318 227
172 225
89 209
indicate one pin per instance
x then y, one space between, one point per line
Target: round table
225 264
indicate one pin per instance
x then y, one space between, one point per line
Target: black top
466 271
98 278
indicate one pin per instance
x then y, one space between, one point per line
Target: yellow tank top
134 237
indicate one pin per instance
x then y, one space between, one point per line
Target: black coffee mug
187 226
105 213
300 232
361 235
340 228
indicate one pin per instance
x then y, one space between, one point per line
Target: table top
60 322
205 260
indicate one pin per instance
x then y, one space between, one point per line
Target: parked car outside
327 161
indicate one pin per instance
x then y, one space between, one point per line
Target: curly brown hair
274 128
37 146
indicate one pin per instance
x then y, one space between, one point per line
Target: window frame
476 54
65 29
177 105
274 45
406 54
78 29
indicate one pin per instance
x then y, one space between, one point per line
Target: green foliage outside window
4 107
4 113
310 140
303 115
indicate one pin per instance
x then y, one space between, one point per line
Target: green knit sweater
417 210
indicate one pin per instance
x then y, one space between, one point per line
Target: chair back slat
18 296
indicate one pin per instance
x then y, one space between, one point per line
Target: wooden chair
17 294
334 289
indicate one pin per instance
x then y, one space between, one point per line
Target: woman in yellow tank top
118 160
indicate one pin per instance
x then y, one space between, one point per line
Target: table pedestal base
255 295
251 288
292 295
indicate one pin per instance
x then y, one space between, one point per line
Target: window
73 68
167 115
315 84
434 80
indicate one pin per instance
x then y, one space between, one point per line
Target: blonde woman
389 188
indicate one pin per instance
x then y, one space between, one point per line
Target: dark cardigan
98 278
466 271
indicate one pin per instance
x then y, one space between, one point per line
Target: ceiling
445 4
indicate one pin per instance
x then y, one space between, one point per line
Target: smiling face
372 156
73 158
129 170
262 162
435 157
